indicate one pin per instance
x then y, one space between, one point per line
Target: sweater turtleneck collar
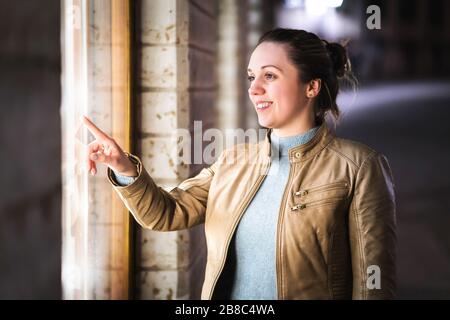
283 144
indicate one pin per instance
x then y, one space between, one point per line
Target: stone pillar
175 86
232 60
256 26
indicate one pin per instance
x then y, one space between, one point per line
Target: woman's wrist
130 173
130 169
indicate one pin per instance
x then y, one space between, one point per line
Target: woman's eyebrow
269 65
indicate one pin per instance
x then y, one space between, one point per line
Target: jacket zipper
314 203
331 186
243 208
279 230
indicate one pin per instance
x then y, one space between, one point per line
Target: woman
322 227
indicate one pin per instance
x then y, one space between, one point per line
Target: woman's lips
261 106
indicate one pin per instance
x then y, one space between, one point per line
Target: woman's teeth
263 105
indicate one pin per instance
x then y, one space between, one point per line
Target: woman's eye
270 76
250 78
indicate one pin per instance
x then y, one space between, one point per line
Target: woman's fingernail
93 172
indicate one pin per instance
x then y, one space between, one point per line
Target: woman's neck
294 131
298 125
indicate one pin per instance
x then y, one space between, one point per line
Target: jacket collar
305 151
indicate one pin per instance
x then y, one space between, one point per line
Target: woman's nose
255 89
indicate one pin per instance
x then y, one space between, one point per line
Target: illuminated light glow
75 268
334 3
319 8
293 3
316 8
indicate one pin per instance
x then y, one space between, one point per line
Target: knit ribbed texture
122 180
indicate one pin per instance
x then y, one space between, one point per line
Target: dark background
30 140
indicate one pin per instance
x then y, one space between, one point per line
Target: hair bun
339 59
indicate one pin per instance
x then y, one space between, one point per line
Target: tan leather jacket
336 220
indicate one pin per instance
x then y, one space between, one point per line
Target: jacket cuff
142 177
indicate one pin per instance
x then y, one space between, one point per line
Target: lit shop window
95 44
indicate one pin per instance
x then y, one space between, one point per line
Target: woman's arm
372 225
152 207
156 209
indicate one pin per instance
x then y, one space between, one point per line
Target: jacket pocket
322 188
314 196
311 204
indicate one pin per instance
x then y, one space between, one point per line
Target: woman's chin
265 123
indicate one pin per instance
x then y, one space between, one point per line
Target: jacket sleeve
156 209
372 228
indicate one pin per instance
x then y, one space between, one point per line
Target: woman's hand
105 150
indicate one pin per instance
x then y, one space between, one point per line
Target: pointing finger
98 134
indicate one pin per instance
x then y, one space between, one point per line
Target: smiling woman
296 74
306 216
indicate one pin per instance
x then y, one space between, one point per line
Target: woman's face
276 92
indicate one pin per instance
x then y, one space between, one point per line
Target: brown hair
316 59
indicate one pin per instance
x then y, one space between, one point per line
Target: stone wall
175 86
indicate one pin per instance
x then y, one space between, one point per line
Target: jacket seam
345 157
329 266
321 146
360 248
357 218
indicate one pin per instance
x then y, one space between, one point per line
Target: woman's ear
313 88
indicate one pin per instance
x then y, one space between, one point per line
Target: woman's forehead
268 54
